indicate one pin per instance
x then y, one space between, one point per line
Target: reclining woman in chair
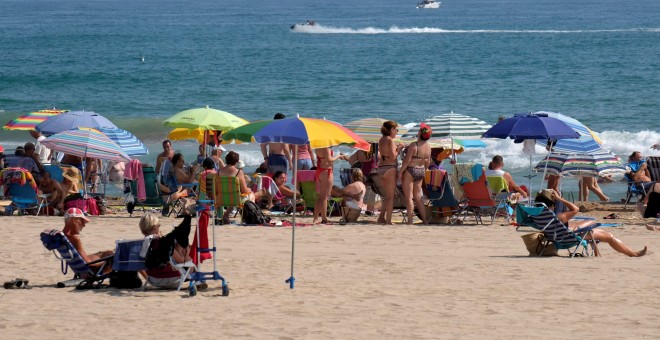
598 234
74 222
164 275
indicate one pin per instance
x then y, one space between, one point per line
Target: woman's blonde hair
357 175
148 222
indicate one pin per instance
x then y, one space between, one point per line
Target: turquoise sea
594 60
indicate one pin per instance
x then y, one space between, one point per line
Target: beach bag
101 205
534 244
125 280
253 215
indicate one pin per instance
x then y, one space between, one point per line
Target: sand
355 280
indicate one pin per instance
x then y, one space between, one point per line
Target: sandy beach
352 280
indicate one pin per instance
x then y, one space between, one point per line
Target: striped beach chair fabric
56 241
227 192
557 233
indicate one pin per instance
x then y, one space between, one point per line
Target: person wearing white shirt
42 152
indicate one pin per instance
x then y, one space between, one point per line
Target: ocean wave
321 29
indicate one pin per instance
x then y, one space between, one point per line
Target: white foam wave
321 29
622 143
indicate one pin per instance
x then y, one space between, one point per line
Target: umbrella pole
291 281
529 194
545 170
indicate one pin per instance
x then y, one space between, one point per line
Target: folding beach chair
555 232
133 258
227 193
479 199
499 189
56 241
635 189
22 190
441 198
308 193
154 197
55 172
378 187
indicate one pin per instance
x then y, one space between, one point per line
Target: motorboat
306 23
429 4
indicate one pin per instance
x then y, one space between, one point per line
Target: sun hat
547 193
71 173
425 131
75 212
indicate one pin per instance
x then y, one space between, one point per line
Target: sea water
139 62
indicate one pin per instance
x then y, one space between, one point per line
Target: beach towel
202 225
463 172
434 177
134 172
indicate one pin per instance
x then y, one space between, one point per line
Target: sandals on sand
17 284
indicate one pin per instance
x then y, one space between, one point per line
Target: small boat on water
429 4
306 23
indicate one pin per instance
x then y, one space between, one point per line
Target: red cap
425 131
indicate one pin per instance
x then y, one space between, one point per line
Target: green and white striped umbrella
582 165
462 129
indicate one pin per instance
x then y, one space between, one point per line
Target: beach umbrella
587 143
522 127
29 121
369 128
130 144
205 118
86 143
463 129
73 120
582 165
188 134
318 133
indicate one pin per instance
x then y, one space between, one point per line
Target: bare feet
605 200
652 227
641 252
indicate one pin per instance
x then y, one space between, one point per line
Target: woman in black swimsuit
415 163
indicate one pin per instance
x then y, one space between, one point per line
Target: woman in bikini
387 168
323 177
417 159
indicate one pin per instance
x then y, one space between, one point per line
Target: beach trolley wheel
225 290
192 289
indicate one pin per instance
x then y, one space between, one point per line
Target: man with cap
74 222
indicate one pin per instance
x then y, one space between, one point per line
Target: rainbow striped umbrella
29 121
587 143
582 165
369 128
131 145
317 133
86 143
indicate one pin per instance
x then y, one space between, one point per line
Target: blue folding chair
540 217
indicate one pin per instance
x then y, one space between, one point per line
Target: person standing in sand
387 168
276 155
413 169
325 160
549 197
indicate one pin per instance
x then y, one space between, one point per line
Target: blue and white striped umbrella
130 144
581 165
587 143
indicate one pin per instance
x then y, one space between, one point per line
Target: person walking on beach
413 168
325 160
276 155
387 168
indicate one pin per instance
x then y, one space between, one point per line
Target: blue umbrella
130 144
73 120
531 126
587 143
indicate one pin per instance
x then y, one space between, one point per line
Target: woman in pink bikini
323 178
415 163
